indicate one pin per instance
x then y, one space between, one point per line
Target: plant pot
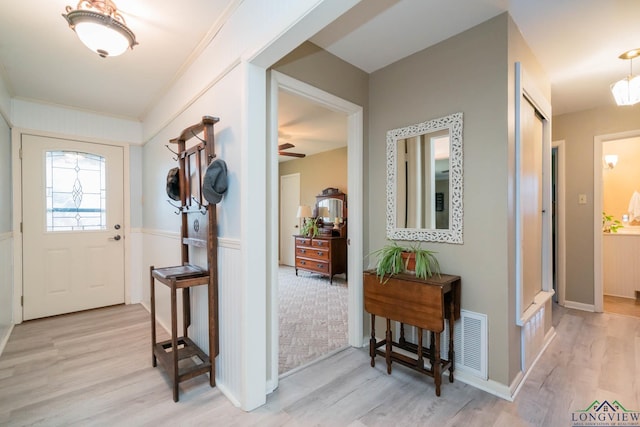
409 260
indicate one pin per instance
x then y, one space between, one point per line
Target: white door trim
598 140
526 88
355 203
16 162
287 239
561 246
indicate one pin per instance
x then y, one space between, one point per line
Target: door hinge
20 153
22 301
21 227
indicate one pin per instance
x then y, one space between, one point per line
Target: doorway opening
354 124
313 302
617 238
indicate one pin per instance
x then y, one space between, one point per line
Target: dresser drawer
312 265
320 243
303 241
310 252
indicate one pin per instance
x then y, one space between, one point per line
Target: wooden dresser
322 255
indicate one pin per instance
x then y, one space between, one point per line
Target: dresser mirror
424 181
331 209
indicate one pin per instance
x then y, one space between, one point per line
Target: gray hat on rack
215 182
173 184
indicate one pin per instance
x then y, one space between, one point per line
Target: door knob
116 237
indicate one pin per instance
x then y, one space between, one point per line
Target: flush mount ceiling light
627 90
100 27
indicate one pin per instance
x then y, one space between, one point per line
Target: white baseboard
6 333
500 390
516 386
580 306
492 387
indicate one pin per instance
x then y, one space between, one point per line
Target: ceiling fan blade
284 153
285 146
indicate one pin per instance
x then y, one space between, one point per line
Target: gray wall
319 68
472 73
578 130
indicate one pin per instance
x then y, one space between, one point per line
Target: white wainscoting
621 270
138 271
6 288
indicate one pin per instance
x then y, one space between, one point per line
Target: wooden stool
171 352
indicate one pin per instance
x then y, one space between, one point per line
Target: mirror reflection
424 181
330 209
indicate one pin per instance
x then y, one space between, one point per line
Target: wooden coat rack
178 355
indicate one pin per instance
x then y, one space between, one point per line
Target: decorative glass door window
75 191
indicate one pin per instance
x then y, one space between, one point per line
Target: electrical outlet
582 199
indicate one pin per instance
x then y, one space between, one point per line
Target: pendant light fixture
100 27
627 90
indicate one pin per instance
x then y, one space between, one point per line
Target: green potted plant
310 227
394 259
610 225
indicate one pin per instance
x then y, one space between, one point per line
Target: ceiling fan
286 146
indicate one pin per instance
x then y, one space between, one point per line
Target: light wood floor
94 368
618 305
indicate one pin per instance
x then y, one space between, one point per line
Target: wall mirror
424 181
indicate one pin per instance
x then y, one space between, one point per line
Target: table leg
372 341
152 293
452 353
388 346
432 349
420 358
402 341
437 368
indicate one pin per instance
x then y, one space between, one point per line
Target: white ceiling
576 41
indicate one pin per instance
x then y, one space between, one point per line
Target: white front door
73 209
289 223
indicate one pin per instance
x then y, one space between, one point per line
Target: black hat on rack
215 182
173 183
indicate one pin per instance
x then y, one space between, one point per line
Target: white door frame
288 239
598 140
355 202
16 178
561 242
526 88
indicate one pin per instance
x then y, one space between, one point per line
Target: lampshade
611 160
627 90
323 212
100 27
304 211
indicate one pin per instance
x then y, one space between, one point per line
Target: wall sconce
100 27
627 90
611 160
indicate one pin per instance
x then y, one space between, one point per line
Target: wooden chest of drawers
322 255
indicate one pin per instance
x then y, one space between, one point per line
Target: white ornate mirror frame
453 234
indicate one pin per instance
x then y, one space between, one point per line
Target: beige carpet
313 317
